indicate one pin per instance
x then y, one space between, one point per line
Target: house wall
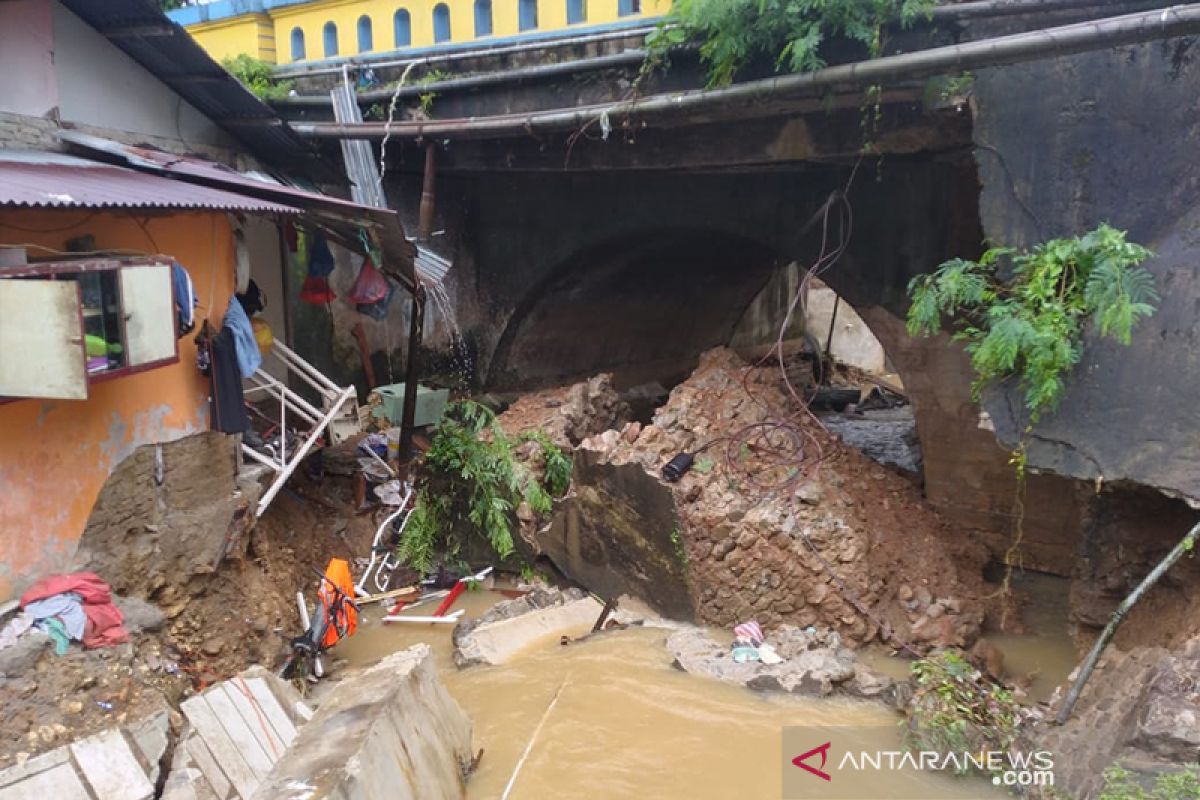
231 28
27 84
56 455
100 86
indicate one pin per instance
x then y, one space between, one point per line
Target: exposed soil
783 523
217 624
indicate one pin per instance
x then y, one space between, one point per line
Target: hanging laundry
378 311
103 626
185 299
248 356
253 300
316 289
370 286
227 406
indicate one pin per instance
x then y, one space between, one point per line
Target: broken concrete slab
116 764
391 731
511 626
814 663
239 729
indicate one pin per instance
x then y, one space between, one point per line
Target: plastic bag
370 286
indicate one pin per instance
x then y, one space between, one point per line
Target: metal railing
335 401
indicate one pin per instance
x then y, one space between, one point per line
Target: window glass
528 15
402 28
297 45
576 11
103 326
483 18
330 36
441 23
366 39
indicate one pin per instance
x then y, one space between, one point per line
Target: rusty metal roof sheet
399 252
35 179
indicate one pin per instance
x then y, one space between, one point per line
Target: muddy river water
626 724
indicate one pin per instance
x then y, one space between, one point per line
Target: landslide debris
824 537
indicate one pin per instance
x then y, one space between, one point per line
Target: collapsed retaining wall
392 731
847 536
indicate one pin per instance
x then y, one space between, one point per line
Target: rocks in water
814 663
886 435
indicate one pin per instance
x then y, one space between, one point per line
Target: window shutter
149 306
41 340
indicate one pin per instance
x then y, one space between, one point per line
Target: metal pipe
745 100
440 58
412 372
1015 8
475 81
428 195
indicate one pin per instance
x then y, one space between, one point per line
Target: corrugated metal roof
167 51
34 179
398 251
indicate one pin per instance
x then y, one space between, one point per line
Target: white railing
335 401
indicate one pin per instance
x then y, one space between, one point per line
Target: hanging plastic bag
370 286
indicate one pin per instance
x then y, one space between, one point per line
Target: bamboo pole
1186 545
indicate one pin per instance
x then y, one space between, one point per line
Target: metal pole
428 195
412 373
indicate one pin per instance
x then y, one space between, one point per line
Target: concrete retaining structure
393 731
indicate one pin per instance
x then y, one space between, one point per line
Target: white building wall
100 86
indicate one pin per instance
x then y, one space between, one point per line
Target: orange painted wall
56 454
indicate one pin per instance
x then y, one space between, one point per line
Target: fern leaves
472 484
1029 325
734 33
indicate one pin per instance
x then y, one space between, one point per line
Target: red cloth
104 626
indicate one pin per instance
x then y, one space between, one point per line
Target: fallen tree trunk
1185 545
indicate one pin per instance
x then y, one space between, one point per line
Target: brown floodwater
626 724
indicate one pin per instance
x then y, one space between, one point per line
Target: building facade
291 31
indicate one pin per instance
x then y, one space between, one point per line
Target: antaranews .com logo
848 763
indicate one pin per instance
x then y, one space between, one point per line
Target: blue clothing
67 607
320 257
248 356
185 296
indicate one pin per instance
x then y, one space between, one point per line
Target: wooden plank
375 598
239 732
273 708
225 753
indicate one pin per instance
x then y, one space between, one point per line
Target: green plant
425 99
1021 314
958 709
733 33
1119 784
677 546
471 485
258 76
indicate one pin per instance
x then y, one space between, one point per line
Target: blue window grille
402 28
483 18
297 44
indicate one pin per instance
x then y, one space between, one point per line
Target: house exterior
93 363
289 31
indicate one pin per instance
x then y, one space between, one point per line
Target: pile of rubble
844 544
